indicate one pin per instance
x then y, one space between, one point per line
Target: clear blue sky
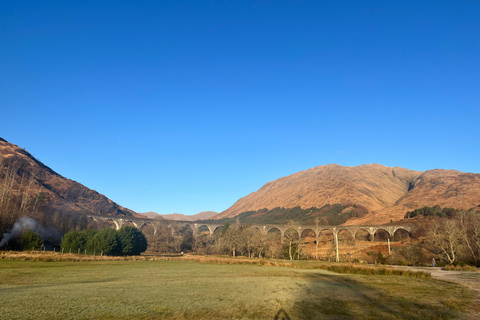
186 106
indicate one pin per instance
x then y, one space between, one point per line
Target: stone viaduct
263 228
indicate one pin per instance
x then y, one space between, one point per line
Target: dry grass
451 267
346 268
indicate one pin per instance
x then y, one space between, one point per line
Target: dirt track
468 279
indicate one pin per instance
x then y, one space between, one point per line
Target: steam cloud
27 223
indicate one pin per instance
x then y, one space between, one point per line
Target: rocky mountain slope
26 184
388 193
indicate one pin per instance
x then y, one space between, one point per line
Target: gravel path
468 279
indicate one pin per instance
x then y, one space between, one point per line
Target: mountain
445 188
182 217
151 215
26 185
387 193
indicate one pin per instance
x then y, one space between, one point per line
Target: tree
466 225
75 241
232 237
132 240
274 245
259 242
251 238
445 235
475 238
317 236
31 240
106 241
291 234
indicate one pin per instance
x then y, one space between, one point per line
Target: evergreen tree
75 241
106 241
132 240
31 240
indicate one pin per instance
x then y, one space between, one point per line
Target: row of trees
239 240
233 239
126 241
27 240
432 211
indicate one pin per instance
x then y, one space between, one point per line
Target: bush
458 267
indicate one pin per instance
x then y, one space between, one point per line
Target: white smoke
27 223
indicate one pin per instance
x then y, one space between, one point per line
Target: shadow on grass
339 297
282 315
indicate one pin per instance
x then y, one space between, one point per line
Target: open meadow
182 289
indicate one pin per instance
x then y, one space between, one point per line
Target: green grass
192 290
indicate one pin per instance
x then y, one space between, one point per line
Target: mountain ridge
387 192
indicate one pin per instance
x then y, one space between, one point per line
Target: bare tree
291 235
249 239
475 226
8 206
232 237
274 246
26 192
446 236
260 243
466 224
317 236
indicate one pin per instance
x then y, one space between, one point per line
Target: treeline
335 214
433 211
126 241
27 240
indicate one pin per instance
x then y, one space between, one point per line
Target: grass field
192 290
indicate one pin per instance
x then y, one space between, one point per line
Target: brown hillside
26 181
388 193
446 188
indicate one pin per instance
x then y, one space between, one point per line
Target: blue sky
186 106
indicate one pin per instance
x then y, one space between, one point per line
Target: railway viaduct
263 228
